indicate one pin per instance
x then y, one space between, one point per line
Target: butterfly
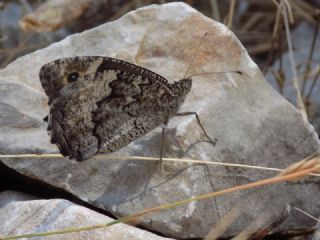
101 104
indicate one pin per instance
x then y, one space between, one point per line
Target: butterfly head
183 86
55 75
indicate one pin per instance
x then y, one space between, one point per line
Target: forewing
135 106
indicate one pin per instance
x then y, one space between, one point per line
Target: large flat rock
252 123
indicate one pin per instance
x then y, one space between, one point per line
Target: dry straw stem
313 84
215 10
275 32
226 220
293 172
304 10
286 12
224 223
263 224
279 77
252 228
141 158
231 13
311 52
307 214
307 163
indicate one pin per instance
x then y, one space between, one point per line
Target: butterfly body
100 104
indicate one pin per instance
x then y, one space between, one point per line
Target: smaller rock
21 216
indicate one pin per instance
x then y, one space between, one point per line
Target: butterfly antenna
208 73
194 56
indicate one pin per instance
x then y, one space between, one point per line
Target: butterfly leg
212 141
162 144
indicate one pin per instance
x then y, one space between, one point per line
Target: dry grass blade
307 163
288 10
280 79
215 10
275 35
252 228
310 57
304 5
300 11
307 214
263 225
249 24
260 48
313 84
257 229
141 158
231 13
287 16
224 223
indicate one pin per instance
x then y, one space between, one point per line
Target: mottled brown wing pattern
100 104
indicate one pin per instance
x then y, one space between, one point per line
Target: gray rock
37 216
252 123
316 235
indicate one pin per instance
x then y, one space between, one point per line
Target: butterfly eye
72 77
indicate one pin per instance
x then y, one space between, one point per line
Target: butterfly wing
131 110
102 104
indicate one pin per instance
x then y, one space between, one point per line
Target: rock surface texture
252 123
23 216
316 235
